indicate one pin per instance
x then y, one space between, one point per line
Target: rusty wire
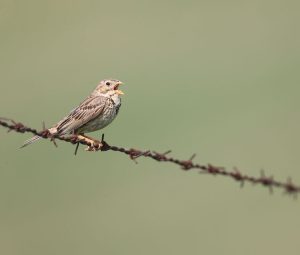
289 187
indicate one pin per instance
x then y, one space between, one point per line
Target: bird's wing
88 110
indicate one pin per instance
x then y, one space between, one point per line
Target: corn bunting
96 112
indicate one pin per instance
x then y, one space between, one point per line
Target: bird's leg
94 145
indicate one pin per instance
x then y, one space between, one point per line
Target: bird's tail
30 141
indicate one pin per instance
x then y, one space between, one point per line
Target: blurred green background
219 78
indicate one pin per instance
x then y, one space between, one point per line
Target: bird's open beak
116 88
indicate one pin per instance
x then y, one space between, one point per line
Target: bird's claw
94 146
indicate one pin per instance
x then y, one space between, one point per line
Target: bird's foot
93 144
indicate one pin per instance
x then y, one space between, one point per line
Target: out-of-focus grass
212 77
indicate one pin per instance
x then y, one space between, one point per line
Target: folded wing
88 110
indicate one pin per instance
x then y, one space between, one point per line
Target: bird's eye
107 83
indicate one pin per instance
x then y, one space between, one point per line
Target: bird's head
108 87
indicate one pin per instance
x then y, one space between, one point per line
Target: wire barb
269 182
76 149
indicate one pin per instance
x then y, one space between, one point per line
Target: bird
97 111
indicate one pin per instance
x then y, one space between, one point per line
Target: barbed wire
267 181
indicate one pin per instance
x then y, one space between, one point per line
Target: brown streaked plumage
96 112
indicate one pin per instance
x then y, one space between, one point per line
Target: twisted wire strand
266 181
